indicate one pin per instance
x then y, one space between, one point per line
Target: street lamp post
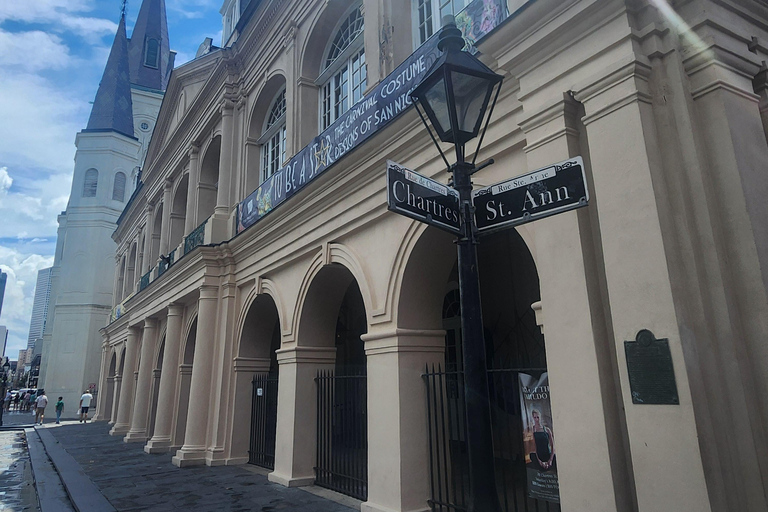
455 95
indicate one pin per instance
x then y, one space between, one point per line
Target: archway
155 390
118 386
110 391
256 130
256 384
209 181
514 344
185 379
333 316
178 214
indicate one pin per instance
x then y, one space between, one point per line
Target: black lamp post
455 95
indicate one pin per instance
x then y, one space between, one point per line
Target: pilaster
190 221
165 228
125 404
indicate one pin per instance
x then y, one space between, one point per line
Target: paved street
17 491
133 480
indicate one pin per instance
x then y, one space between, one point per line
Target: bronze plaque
651 374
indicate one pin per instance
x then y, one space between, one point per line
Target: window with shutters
91 183
118 190
152 53
274 134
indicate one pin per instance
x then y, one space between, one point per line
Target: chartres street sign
416 196
538 194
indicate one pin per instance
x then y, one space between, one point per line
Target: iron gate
263 420
342 434
449 471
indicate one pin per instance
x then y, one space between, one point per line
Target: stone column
147 240
225 159
165 228
138 431
296 440
190 221
125 404
161 438
101 395
116 290
398 453
193 450
626 169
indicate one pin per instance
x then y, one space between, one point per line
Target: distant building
3 279
39 309
3 337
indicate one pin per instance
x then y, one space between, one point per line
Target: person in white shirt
41 401
85 403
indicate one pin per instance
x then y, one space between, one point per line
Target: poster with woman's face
538 437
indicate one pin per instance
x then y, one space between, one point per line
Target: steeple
113 108
149 49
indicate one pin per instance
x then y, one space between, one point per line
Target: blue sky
52 55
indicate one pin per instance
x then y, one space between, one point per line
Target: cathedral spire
149 49
113 108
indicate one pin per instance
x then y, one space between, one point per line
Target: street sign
426 200
538 194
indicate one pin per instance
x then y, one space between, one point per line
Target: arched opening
130 272
209 180
185 379
178 213
118 385
120 281
118 189
109 396
256 380
155 390
157 227
334 316
514 345
259 133
91 183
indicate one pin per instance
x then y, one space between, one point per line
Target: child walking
59 408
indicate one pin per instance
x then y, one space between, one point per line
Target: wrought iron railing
195 238
165 263
144 282
449 467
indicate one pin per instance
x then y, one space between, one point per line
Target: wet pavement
132 480
17 489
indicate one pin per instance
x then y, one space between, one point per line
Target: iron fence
263 420
144 282
449 470
342 434
195 238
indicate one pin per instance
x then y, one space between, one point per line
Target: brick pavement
133 480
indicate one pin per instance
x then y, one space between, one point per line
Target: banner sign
426 200
538 438
538 194
372 113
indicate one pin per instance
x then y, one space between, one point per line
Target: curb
51 495
82 492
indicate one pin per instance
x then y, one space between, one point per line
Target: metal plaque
651 374
538 194
426 200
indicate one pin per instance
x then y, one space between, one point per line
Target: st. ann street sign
416 196
541 193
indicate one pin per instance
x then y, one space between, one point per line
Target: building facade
110 151
39 310
293 321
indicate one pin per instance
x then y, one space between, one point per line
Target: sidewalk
102 473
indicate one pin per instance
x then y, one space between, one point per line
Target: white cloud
19 294
49 52
32 211
5 181
62 15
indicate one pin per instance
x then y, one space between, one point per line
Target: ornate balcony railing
165 264
145 280
195 238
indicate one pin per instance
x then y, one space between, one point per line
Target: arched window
118 190
91 183
273 138
152 53
429 13
343 80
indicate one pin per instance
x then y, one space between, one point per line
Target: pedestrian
85 403
25 401
40 402
59 408
7 400
16 400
